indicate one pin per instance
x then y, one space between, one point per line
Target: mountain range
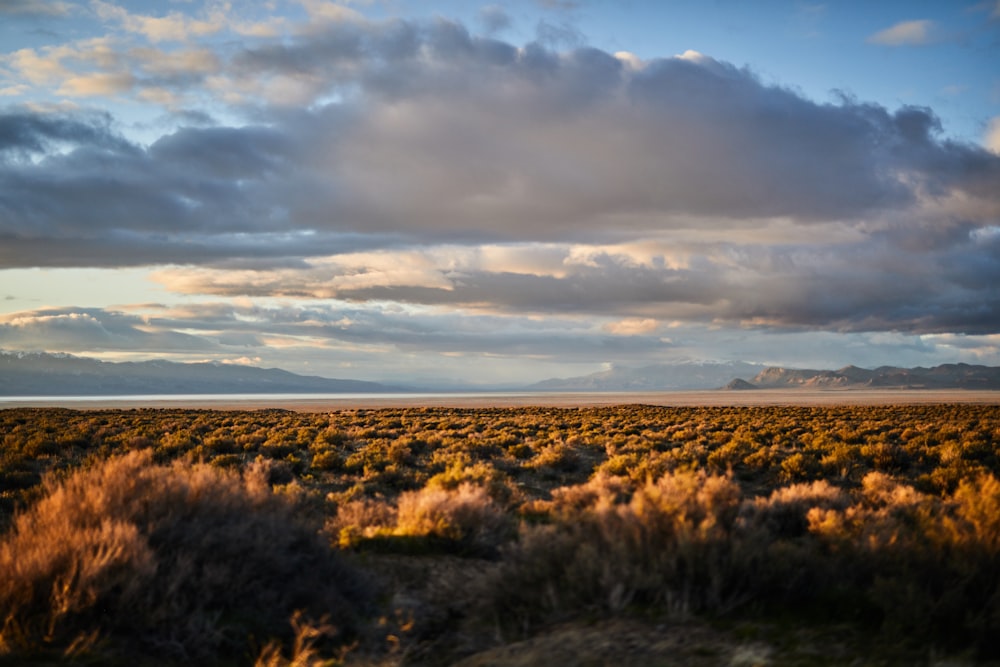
945 376
730 375
658 377
42 374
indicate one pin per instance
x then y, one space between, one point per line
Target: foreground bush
183 560
668 546
918 567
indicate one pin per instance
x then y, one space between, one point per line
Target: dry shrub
789 565
185 560
930 565
467 515
784 513
363 518
669 545
600 491
304 651
466 518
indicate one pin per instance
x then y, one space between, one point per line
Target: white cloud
630 60
905 33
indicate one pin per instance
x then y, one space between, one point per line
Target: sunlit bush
666 545
464 519
184 560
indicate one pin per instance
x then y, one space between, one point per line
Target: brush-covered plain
430 536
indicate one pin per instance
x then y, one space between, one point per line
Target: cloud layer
420 164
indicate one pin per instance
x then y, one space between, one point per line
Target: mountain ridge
943 376
60 374
731 376
655 377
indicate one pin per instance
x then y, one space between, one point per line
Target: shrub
465 519
467 515
930 565
186 560
667 546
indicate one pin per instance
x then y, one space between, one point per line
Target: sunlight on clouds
100 83
650 254
23 321
400 183
991 139
543 259
187 61
324 10
631 327
38 69
905 33
630 60
439 268
325 278
172 27
693 56
984 349
241 361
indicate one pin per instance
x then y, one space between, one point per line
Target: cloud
632 327
421 164
36 7
338 339
172 27
494 19
881 284
228 332
560 4
905 33
90 330
991 140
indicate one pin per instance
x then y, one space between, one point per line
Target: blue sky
500 192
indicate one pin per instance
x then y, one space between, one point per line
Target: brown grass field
706 528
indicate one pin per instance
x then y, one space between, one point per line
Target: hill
658 377
945 376
42 374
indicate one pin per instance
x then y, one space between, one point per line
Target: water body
329 402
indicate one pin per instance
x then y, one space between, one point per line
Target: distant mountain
659 377
945 376
41 374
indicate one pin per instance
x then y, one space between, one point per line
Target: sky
501 192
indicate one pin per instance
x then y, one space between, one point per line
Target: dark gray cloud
476 137
25 135
400 133
35 7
